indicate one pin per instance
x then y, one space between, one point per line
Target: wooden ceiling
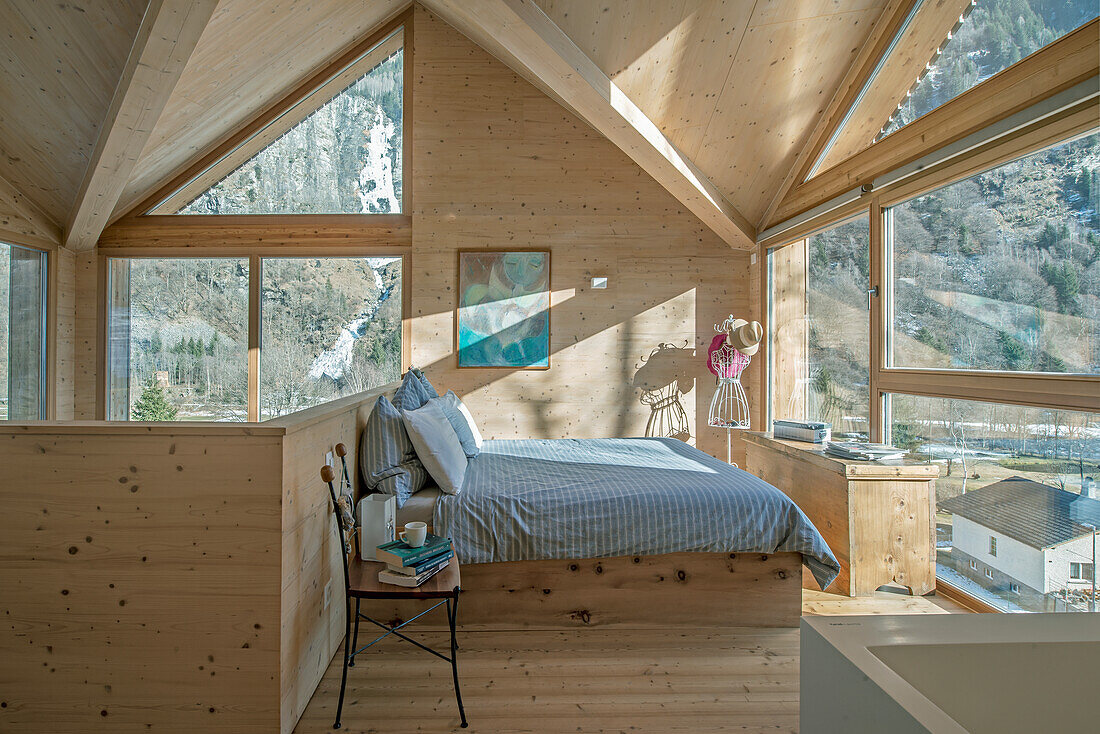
736 85
59 66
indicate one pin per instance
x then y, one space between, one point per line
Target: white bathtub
951 673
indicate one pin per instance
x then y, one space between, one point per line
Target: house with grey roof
1020 536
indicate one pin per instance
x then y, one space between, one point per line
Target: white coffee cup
415 534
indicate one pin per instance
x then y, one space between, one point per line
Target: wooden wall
141 578
498 164
311 631
170 574
64 337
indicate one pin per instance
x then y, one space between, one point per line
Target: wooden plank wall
85 333
312 631
65 335
498 164
141 578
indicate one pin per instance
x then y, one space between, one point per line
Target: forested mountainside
1000 271
343 158
995 35
329 327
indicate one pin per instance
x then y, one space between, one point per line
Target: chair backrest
327 476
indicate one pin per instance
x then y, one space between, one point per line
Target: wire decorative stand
729 407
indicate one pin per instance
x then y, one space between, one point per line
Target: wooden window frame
299 103
138 234
255 256
48 361
1076 392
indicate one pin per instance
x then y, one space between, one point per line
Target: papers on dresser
864 451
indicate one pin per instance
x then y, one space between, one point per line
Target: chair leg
452 617
355 636
344 677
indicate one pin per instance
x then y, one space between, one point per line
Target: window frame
47 338
305 99
993 546
255 256
1074 391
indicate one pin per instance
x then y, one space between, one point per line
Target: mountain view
995 35
344 158
329 327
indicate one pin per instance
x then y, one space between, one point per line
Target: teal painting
504 309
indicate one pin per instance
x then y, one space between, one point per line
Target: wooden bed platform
690 589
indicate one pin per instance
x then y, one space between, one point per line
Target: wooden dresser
878 518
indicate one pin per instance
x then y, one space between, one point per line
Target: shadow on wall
663 377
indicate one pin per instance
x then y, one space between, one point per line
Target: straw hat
745 336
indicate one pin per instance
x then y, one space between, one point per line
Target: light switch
599 283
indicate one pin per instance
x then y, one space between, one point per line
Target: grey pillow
387 457
437 445
460 419
412 394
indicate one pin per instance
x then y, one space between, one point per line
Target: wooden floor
597 680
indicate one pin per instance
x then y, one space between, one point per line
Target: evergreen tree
1014 353
153 405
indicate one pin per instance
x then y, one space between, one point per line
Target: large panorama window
1001 271
821 328
1025 474
22 333
330 327
178 335
992 281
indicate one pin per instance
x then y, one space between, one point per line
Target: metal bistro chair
361 582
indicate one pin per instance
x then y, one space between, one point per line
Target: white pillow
437 446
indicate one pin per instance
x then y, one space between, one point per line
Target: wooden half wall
168 576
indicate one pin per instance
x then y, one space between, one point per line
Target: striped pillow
431 391
412 394
387 459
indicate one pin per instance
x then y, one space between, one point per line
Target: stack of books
410 567
864 451
811 431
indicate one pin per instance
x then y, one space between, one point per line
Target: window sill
964 599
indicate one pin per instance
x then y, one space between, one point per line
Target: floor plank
674 679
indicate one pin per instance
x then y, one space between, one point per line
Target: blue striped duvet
591 498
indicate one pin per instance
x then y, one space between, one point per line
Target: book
400 553
424 565
387 576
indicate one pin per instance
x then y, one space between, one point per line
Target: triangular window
337 151
944 48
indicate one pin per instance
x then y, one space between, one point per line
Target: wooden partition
168 576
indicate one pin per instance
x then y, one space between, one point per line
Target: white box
377 523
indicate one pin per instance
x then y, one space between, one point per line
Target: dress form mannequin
727 358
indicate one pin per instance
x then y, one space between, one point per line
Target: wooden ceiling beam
169 32
886 27
519 34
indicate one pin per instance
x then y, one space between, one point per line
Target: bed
603 531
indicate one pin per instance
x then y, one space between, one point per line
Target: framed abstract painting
503 314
